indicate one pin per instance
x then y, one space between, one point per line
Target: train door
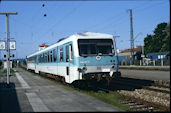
69 61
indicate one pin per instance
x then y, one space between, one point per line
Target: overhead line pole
7 41
131 37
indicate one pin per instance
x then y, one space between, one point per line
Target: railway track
140 84
139 104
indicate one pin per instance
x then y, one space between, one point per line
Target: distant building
138 48
41 47
125 55
159 55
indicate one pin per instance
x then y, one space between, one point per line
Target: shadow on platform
115 84
8 98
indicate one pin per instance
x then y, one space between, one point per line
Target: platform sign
12 45
2 45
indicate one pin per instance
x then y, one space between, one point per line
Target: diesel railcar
79 56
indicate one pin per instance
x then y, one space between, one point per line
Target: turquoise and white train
79 56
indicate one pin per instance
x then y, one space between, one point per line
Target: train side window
51 60
45 57
48 56
71 52
67 54
61 54
39 58
54 55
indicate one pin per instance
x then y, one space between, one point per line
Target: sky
30 28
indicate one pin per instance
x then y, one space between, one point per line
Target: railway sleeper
157 90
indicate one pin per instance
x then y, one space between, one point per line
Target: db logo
98 57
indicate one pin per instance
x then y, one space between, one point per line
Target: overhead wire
44 18
108 19
135 9
112 23
61 20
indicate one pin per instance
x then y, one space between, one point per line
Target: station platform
29 92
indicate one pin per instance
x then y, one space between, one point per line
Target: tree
148 44
166 40
159 41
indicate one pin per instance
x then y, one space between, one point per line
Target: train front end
97 58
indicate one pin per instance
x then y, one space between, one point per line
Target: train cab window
51 60
94 47
61 54
54 55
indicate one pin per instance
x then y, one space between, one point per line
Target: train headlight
84 69
79 69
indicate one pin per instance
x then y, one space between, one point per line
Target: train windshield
94 47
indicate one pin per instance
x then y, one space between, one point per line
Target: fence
146 63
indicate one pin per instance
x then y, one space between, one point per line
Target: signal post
7 42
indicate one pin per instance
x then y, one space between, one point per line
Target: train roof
76 36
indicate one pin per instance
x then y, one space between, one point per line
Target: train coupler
116 74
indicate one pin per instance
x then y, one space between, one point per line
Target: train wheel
108 78
116 75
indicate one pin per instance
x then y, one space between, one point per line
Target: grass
3 72
112 98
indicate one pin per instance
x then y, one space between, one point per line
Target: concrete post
125 60
140 62
154 62
161 62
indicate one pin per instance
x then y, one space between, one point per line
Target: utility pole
7 42
131 36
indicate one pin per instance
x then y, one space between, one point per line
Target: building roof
159 53
138 48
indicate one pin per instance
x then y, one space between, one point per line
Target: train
81 56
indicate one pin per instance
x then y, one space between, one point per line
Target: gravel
150 96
